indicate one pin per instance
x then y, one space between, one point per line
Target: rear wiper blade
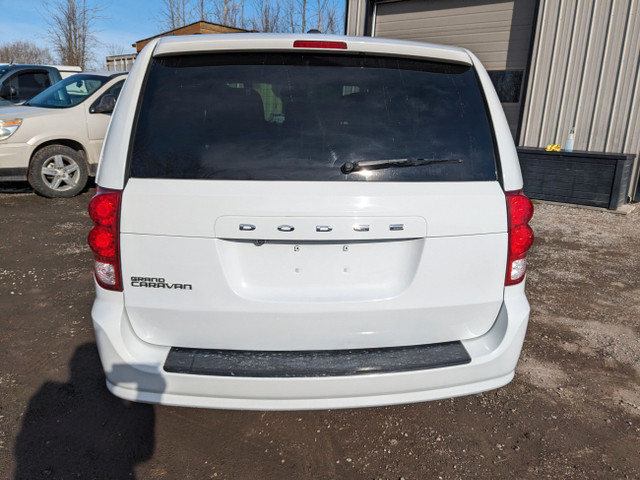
350 167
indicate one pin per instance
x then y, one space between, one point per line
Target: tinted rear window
280 116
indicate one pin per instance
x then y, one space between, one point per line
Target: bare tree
289 16
24 52
242 21
116 49
320 14
294 15
267 17
302 10
326 16
300 15
201 11
229 13
175 14
71 29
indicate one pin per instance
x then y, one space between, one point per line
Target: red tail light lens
104 237
520 208
319 44
103 207
102 242
519 212
521 239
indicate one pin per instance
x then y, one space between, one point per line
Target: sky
124 22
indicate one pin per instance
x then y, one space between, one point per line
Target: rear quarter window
292 116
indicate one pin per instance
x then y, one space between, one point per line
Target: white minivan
308 221
54 140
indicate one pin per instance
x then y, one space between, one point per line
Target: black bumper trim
13 174
315 363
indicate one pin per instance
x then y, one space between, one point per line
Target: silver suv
301 222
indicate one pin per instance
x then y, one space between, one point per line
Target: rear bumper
134 370
314 363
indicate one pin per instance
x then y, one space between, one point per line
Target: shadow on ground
78 429
24 187
15 187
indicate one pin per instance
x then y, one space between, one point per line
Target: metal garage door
498 32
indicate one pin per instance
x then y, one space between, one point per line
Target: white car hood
22 112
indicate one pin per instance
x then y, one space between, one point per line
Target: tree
302 6
201 11
229 13
116 49
301 15
24 52
175 14
289 15
266 15
267 18
71 29
295 15
326 16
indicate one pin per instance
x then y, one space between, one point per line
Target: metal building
120 63
556 64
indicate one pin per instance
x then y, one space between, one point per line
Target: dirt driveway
573 410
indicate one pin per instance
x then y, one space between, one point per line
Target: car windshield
2 70
69 92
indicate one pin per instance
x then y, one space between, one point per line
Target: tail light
519 212
104 237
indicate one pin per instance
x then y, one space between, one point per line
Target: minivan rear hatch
303 200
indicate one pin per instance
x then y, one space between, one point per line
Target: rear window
281 116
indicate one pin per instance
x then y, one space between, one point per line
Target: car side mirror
106 104
7 91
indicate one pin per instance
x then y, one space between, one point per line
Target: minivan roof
284 42
101 73
15 66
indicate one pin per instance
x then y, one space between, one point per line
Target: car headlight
9 127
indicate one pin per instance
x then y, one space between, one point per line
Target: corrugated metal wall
357 17
497 31
585 73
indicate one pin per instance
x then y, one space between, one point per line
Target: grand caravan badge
158 282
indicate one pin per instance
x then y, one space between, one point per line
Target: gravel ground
573 410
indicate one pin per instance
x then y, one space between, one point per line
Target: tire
57 171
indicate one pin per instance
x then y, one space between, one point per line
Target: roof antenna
314 30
